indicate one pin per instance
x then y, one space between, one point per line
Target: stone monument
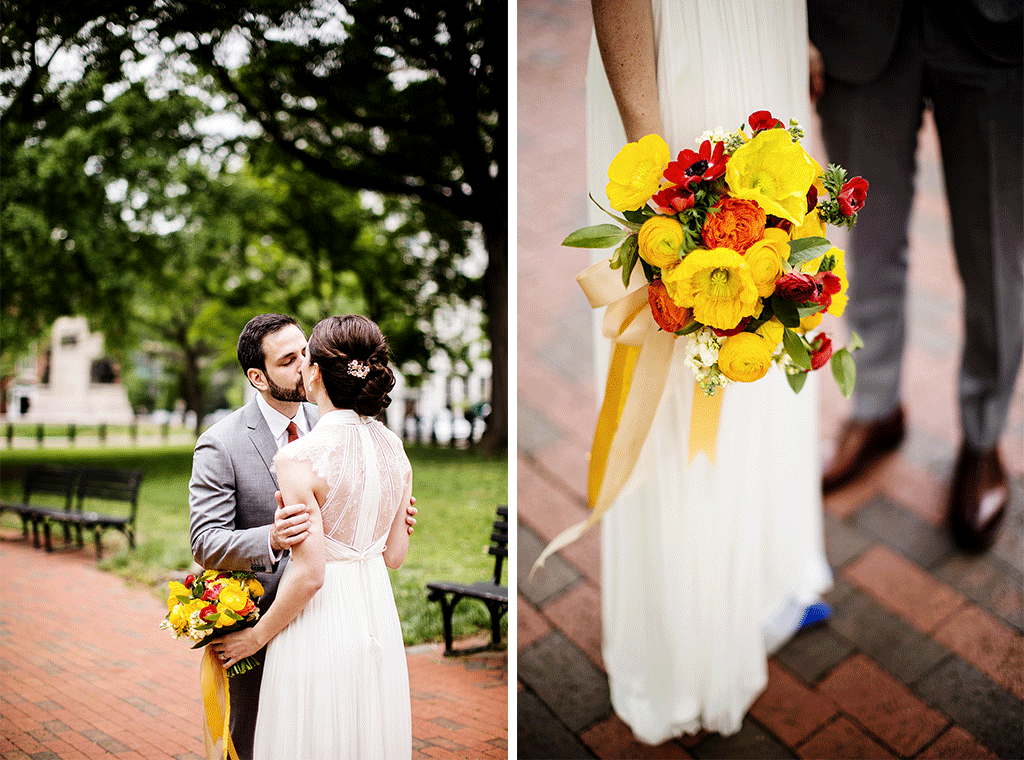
80 384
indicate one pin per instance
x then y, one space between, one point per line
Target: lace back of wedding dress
366 471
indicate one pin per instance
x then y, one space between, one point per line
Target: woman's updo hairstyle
352 354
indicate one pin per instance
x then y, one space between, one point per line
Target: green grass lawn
456 493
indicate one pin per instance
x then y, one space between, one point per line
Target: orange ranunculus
666 312
735 224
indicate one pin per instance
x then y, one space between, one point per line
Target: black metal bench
490 592
103 485
42 479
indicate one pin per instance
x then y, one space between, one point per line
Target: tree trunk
191 386
495 228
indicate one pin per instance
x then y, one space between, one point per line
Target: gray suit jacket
231 496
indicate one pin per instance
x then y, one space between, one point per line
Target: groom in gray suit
232 494
883 61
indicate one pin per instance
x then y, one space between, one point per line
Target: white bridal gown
336 683
707 568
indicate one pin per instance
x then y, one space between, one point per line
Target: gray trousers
871 129
245 699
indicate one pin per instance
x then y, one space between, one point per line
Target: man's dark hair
250 341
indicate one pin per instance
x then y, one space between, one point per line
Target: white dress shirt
278 423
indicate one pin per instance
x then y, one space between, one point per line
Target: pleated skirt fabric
336 683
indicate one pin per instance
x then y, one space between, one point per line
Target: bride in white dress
335 683
705 568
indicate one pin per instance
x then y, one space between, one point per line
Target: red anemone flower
821 351
762 120
689 168
673 199
852 196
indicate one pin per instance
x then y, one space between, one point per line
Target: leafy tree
404 99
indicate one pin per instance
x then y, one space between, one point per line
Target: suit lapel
261 437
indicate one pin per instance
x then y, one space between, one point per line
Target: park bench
42 480
490 592
98 485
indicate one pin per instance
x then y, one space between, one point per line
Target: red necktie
293 432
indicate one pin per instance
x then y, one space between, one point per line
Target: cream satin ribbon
217 706
637 373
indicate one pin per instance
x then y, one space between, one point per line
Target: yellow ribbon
704 422
217 704
637 373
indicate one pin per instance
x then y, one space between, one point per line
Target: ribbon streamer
217 705
637 373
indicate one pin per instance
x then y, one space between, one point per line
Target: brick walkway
923 657
86 673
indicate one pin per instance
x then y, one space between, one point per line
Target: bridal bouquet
211 605
726 246
731 241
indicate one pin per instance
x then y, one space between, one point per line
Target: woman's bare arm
625 37
302 581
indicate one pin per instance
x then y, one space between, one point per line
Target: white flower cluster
193 632
702 357
718 134
787 365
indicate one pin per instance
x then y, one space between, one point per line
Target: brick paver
923 654
883 705
86 673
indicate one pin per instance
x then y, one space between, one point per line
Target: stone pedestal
83 386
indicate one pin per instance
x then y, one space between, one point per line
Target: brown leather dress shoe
862 442
978 498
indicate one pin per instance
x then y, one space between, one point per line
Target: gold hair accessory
358 369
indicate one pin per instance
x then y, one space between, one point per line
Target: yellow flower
812 226
819 180
178 618
660 239
635 173
716 284
840 299
254 587
809 323
765 259
745 357
175 590
233 597
773 171
771 331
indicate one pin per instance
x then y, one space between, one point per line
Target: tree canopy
403 99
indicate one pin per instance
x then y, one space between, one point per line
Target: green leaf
598 236
648 270
639 216
787 311
692 327
844 370
796 349
806 311
618 219
796 382
630 252
807 248
854 342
